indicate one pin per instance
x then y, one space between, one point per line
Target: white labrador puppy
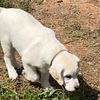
38 48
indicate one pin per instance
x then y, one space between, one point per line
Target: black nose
76 88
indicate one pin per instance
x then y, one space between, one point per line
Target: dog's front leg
45 80
9 58
30 73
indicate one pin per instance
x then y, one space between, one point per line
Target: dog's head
64 70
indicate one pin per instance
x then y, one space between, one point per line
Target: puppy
38 48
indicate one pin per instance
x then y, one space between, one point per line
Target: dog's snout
76 88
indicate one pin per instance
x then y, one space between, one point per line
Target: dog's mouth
69 92
64 89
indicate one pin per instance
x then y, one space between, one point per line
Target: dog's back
22 29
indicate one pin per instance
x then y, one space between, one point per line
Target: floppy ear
56 73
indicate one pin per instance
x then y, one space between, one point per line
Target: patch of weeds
5 3
27 95
7 94
50 94
23 4
26 5
38 1
77 34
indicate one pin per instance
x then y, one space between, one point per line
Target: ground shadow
85 91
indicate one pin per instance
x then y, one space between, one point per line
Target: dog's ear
56 73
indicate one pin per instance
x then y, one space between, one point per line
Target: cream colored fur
36 45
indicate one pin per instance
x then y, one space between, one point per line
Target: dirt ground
80 36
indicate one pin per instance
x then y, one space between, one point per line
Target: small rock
90 63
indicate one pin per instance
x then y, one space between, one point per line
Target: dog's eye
68 76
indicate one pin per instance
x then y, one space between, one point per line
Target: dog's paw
32 78
46 86
35 78
12 75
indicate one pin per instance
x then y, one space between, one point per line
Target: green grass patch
50 94
5 3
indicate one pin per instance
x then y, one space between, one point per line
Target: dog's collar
56 55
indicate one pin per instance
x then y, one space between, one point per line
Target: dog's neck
52 52
56 56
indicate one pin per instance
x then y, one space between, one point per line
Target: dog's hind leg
8 58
